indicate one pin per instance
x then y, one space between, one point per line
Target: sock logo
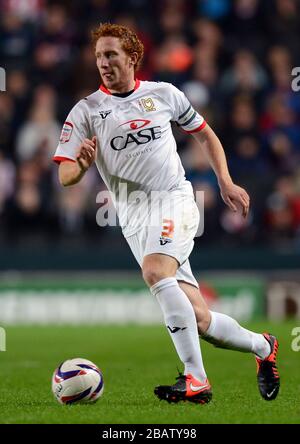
175 329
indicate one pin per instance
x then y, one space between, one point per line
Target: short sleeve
183 113
75 129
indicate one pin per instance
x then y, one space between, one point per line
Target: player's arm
71 172
232 194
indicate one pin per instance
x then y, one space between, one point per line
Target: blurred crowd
233 59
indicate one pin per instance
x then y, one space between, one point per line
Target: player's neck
124 87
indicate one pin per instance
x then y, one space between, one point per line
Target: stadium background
233 59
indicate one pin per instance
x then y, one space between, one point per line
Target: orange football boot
187 388
267 373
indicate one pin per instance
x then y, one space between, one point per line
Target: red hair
129 40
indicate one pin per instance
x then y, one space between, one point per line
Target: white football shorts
170 230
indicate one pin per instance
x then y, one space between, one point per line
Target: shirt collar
106 91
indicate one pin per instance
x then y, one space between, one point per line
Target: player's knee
153 275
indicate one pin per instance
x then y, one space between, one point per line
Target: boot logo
270 394
200 387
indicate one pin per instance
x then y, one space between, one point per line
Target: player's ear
133 58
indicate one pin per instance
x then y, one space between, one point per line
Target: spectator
41 131
246 75
232 59
7 180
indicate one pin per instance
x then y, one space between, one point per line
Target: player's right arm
77 148
71 172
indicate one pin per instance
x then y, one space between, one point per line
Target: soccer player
125 128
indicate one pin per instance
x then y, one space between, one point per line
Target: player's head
119 53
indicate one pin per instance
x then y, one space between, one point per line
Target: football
77 381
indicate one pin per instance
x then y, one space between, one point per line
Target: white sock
181 323
225 332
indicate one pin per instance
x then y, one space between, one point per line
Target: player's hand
87 153
235 197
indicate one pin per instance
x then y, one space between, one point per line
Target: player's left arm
232 194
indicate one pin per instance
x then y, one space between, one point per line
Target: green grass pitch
134 359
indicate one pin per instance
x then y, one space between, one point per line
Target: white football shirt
136 146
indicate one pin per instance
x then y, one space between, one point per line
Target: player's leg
200 307
159 273
225 332
222 330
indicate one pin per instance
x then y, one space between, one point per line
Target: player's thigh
185 274
190 286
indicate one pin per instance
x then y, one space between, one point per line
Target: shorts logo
167 232
148 104
66 132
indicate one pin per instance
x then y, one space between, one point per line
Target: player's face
116 67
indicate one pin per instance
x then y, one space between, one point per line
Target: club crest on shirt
148 104
66 132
